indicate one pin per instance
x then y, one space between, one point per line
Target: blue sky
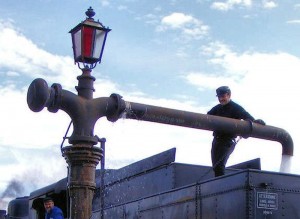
167 53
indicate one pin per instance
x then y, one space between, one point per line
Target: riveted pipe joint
118 108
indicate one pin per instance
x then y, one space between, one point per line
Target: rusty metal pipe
169 116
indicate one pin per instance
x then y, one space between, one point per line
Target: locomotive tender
158 187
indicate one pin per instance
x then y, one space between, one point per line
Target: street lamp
88 39
82 155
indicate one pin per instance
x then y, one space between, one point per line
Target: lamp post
82 155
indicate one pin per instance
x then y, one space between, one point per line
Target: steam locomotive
159 187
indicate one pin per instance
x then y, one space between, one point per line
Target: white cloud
177 20
190 27
203 80
122 8
12 74
268 4
293 22
216 49
105 3
23 57
233 4
230 4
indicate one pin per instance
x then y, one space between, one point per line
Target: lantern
88 39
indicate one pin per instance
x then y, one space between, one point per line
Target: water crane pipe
114 107
169 116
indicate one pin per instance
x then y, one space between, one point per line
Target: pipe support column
82 160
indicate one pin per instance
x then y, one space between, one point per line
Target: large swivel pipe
169 116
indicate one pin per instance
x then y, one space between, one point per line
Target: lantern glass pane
77 44
99 42
87 41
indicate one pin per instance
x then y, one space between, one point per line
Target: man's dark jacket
230 110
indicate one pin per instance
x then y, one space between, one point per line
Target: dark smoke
13 190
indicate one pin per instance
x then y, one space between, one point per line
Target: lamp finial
90 13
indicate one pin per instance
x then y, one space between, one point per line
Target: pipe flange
114 114
56 91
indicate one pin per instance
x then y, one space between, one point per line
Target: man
224 143
52 212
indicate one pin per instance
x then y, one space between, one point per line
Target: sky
165 53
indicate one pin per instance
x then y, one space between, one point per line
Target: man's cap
47 199
223 90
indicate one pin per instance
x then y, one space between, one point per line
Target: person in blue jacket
52 212
224 143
